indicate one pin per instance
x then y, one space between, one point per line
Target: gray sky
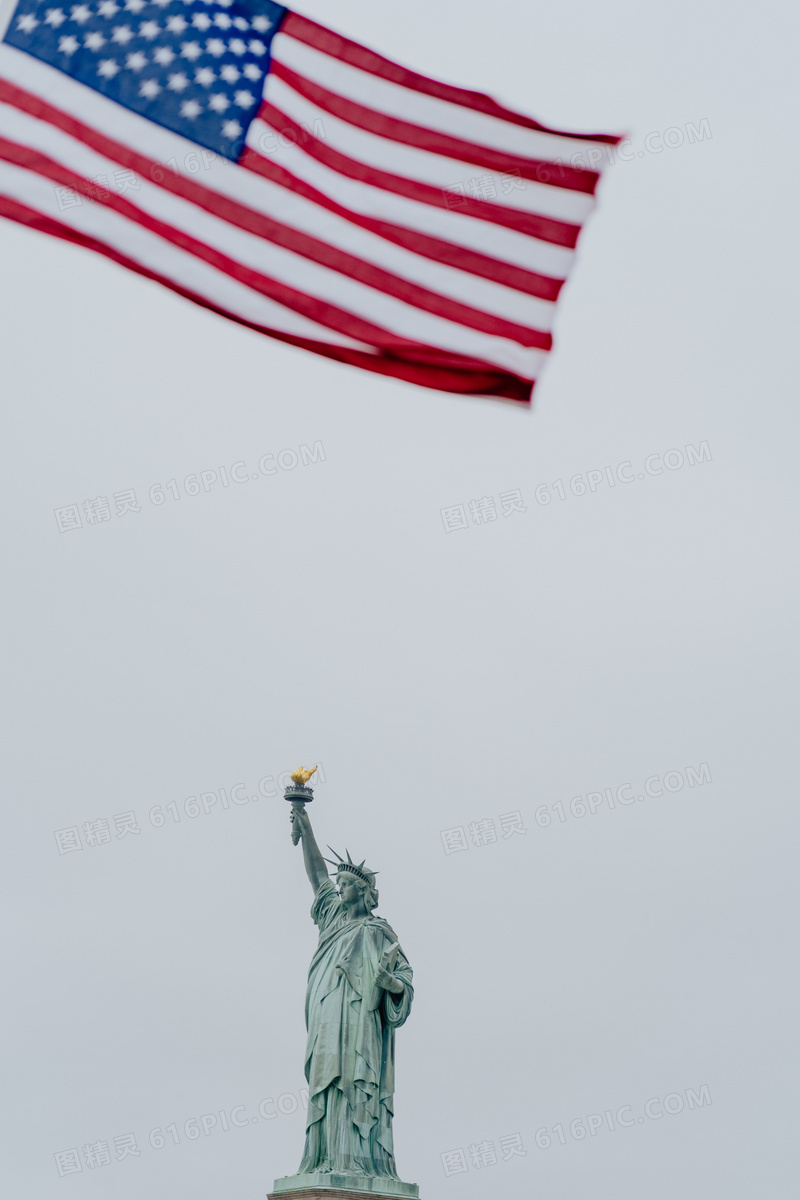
588 965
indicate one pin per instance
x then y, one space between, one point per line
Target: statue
359 993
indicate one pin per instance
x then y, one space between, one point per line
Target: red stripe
292 239
321 311
424 244
480 382
312 307
342 48
544 286
541 170
560 233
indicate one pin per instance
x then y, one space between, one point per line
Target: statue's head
354 880
347 881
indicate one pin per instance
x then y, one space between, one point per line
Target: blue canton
196 67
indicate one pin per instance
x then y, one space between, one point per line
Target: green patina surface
359 992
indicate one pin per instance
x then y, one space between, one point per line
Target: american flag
292 180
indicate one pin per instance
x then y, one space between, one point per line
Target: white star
68 45
238 46
222 20
190 109
81 13
135 6
229 73
55 17
226 3
149 89
231 129
178 82
218 102
244 99
135 61
216 47
27 23
252 71
262 24
201 21
108 8
257 47
108 68
176 24
149 30
205 76
122 34
240 23
94 41
163 56
191 50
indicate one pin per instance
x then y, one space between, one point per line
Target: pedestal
340 1187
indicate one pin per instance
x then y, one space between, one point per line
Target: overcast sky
635 960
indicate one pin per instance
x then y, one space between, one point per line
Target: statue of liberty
359 992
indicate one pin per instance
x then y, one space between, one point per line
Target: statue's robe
350 1051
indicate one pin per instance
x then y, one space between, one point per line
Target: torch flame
301 775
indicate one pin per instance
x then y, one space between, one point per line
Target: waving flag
296 182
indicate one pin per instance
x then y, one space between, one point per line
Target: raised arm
316 870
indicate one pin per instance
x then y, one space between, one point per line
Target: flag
296 182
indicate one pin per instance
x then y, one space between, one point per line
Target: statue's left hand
386 980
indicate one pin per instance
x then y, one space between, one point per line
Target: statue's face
349 891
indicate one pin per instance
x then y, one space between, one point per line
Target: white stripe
403 319
407 104
164 259
310 218
437 170
282 204
496 241
161 144
273 200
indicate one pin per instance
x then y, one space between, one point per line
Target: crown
355 869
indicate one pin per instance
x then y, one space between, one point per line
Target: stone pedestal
340 1187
